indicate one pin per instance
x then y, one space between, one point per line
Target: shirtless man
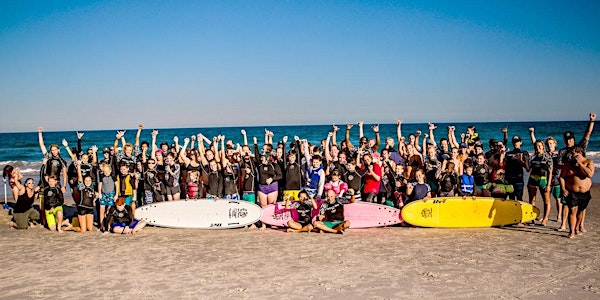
576 183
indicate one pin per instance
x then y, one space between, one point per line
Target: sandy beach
382 263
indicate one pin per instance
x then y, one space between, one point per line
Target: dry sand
382 263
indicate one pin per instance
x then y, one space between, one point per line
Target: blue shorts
108 199
128 200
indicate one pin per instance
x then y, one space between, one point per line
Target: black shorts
82 211
581 200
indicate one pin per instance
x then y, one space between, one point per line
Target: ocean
22 149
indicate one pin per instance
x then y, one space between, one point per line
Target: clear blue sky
68 65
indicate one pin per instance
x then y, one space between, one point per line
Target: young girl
418 190
172 173
337 185
193 185
304 206
85 207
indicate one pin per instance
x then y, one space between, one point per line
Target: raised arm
154 148
41 141
326 149
79 136
361 132
118 137
590 127
201 149
424 148
94 155
504 135
399 133
243 131
334 137
417 136
186 160
66 145
532 135
348 143
432 128
452 137
377 137
137 135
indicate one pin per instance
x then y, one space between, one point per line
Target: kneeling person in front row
333 211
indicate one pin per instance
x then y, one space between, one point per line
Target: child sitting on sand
120 219
304 207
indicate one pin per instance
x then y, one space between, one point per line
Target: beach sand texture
382 263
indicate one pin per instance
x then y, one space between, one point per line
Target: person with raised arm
24 214
268 174
576 183
564 156
541 167
53 163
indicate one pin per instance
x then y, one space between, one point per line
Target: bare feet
544 221
571 235
582 229
562 229
520 225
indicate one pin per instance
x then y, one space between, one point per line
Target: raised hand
255 140
79 135
418 133
243 131
349 126
592 117
285 139
176 139
335 128
40 129
531 129
186 140
65 143
398 122
360 123
375 128
432 126
154 133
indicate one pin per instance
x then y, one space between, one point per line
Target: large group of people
396 172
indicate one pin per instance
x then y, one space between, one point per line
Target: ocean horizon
21 149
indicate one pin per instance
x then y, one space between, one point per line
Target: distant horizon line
292 125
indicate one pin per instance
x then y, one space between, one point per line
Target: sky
84 65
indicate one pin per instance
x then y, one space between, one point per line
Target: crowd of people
396 172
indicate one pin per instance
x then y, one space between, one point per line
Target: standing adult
576 182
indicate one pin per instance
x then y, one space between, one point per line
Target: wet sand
381 263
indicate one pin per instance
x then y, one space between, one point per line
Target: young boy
126 186
315 176
120 219
466 182
53 201
107 188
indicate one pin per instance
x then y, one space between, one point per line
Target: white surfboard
201 213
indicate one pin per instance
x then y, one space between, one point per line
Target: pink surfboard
360 214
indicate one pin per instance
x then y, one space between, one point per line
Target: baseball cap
516 138
569 135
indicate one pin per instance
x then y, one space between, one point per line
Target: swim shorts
332 224
581 200
129 200
249 196
82 211
235 196
555 191
268 188
540 181
51 216
108 199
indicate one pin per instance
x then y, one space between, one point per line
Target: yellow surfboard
456 212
